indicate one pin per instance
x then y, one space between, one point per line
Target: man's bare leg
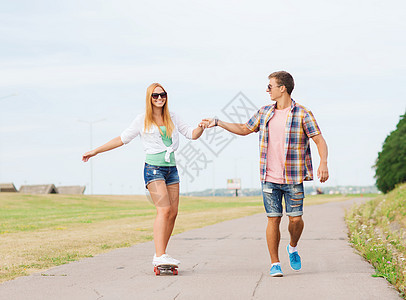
273 237
295 228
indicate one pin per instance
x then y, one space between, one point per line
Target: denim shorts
293 194
168 174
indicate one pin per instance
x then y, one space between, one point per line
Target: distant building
71 190
39 189
7 188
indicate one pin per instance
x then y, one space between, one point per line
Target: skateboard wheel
175 272
157 272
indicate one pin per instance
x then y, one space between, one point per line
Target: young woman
159 130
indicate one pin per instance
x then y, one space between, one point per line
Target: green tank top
158 159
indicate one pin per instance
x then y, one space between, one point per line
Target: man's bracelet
216 122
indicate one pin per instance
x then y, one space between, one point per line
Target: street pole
90 123
214 181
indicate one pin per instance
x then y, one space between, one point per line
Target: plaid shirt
300 126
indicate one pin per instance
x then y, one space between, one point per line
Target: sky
65 62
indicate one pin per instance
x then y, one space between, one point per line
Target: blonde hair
149 121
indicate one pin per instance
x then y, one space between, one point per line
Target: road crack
257 285
165 287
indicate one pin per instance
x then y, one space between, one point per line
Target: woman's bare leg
160 197
173 192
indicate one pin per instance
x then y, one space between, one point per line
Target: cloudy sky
65 61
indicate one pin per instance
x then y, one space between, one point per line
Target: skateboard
166 269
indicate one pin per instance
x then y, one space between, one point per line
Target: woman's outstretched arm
114 143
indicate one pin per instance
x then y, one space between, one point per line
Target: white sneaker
177 262
165 259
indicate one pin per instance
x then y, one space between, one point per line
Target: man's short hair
284 78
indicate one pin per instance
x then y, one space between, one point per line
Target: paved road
223 261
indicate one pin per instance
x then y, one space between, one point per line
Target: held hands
322 172
199 130
204 124
210 122
88 155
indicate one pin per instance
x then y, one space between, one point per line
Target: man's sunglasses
156 95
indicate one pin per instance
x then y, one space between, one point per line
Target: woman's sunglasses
156 95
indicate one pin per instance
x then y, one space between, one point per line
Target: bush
390 167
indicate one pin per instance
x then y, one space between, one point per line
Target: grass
377 229
41 231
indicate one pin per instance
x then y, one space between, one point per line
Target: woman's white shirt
152 139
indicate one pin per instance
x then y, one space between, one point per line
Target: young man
285 161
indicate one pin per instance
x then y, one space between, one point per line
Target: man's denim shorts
168 174
293 194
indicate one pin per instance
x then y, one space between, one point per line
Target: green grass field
41 231
377 230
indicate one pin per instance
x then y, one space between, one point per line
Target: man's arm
237 128
322 171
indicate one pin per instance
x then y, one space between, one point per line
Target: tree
390 166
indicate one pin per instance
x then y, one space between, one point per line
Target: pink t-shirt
275 159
